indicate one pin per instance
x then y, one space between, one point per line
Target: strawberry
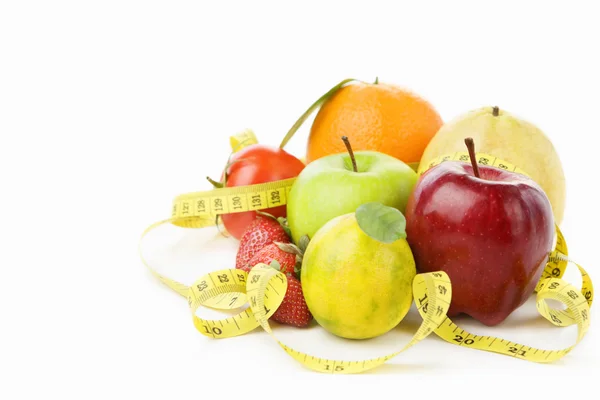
262 232
293 309
287 256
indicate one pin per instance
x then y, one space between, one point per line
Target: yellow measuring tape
264 287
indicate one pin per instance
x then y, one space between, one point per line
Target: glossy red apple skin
491 235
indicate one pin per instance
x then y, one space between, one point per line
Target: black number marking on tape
555 319
223 278
442 289
201 206
237 203
460 339
218 205
572 294
516 351
556 272
554 285
202 285
256 200
275 199
424 307
439 310
338 368
214 330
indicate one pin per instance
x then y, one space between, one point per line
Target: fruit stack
388 191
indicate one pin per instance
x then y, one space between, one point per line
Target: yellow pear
505 136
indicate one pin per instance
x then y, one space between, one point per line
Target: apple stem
495 111
471 147
347 143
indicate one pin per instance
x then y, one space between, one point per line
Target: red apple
491 234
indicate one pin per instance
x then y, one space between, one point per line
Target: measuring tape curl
264 287
201 209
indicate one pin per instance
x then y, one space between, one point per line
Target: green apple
329 187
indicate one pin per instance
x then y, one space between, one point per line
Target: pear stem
347 143
495 111
471 147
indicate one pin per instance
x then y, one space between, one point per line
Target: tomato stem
216 184
495 111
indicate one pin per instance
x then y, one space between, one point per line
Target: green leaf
289 248
275 264
284 224
298 269
382 223
265 214
311 109
303 243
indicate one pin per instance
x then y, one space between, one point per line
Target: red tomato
258 164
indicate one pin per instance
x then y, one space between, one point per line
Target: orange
379 117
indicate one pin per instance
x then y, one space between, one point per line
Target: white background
109 109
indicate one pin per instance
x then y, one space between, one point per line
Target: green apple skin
328 187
